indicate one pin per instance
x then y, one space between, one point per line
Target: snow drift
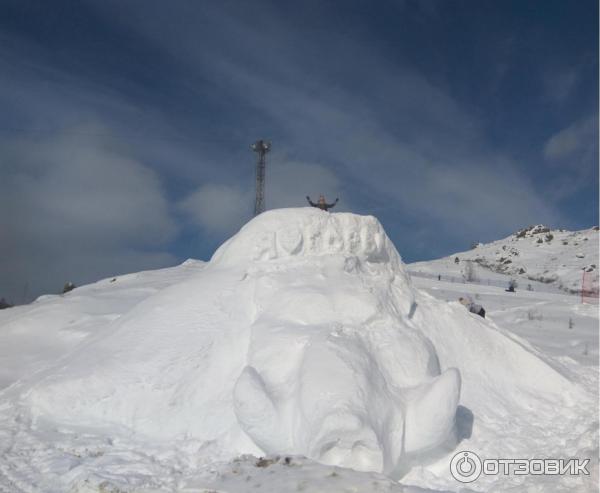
302 335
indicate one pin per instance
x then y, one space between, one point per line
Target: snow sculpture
298 337
335 369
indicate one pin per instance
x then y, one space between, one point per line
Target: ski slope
305 341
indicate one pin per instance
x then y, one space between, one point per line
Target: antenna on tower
261 147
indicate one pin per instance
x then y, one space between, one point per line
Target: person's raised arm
310 201
329 206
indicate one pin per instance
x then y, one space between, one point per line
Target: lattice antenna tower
261 147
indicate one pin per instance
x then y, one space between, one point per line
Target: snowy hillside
537 253
26 347
303 340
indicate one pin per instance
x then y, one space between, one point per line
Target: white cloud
559 85
77 209
218 209
579 137
221 209
573 154
493 197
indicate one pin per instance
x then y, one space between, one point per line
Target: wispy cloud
572 144
77 208
219 209
560 84
408 141
572 153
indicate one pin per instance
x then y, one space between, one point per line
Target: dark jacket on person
472 306
477 309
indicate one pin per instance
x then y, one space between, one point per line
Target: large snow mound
303 335
295 338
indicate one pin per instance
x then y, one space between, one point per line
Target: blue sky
125 126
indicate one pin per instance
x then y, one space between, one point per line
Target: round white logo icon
465 466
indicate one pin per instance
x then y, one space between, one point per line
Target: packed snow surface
302 337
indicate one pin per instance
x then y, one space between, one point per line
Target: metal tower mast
261 147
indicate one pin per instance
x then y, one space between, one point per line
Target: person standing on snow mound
321 204
472 307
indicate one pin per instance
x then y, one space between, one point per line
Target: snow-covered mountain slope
32 336
303 335
564 330
536 253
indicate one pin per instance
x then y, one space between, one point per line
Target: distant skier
321 204
511 286
472 307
